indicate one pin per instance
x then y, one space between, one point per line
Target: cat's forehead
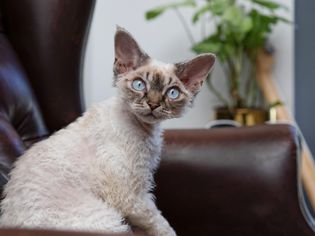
158 67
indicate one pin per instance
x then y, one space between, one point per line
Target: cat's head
156 91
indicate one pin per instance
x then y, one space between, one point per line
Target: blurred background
165 39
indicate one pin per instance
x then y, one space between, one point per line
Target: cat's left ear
128 54
194 72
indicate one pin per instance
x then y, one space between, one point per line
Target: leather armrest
11 146
231 181
28 232
49 38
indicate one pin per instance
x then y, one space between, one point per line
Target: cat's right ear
128 54
193 73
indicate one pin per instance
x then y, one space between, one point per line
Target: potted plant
240 30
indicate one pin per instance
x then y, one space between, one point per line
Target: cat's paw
165 231
170 232
139 231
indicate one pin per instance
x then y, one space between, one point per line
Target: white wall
165 40
283 40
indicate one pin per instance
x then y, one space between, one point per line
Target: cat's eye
173 93
138 84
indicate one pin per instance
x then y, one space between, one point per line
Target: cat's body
97 173
84 176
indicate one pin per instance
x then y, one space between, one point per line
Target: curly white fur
86 185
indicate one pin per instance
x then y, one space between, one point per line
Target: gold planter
245 116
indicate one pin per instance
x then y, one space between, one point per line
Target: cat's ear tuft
128 54
193 73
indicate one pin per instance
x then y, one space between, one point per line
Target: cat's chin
149 119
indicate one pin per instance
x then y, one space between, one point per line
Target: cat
96 174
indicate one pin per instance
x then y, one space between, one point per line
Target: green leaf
246 25
262 26
155 12
149 15
232 15
200 12
268 4
218 7
285 20
216 45
206 47
215 7
236 24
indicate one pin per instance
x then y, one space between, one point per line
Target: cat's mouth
150 114
149 117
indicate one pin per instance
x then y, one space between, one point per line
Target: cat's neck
127 117
150 129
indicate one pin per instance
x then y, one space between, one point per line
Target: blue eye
138 85
173 93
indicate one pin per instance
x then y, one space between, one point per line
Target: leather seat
234 181
41 48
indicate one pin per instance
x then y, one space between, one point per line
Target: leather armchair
231 181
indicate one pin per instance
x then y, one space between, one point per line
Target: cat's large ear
192 73
128 54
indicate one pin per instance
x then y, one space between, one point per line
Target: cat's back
68 151
55 169
53 155
70 147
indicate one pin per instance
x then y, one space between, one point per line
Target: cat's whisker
167 112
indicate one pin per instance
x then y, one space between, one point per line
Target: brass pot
245 116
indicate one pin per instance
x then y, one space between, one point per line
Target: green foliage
237 34
216 7
152 14
268 4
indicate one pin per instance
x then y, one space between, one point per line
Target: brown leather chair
231 181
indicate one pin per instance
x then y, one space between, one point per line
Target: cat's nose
153 105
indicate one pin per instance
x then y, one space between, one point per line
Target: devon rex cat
97 173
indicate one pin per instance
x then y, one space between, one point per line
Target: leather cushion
49 38
231 181
11 146
17 103
20 121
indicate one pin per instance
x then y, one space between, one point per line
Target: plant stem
226 70
216 92
232 78
251 85
249 93
235 79
203 27
185 25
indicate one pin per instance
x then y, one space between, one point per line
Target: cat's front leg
145 215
